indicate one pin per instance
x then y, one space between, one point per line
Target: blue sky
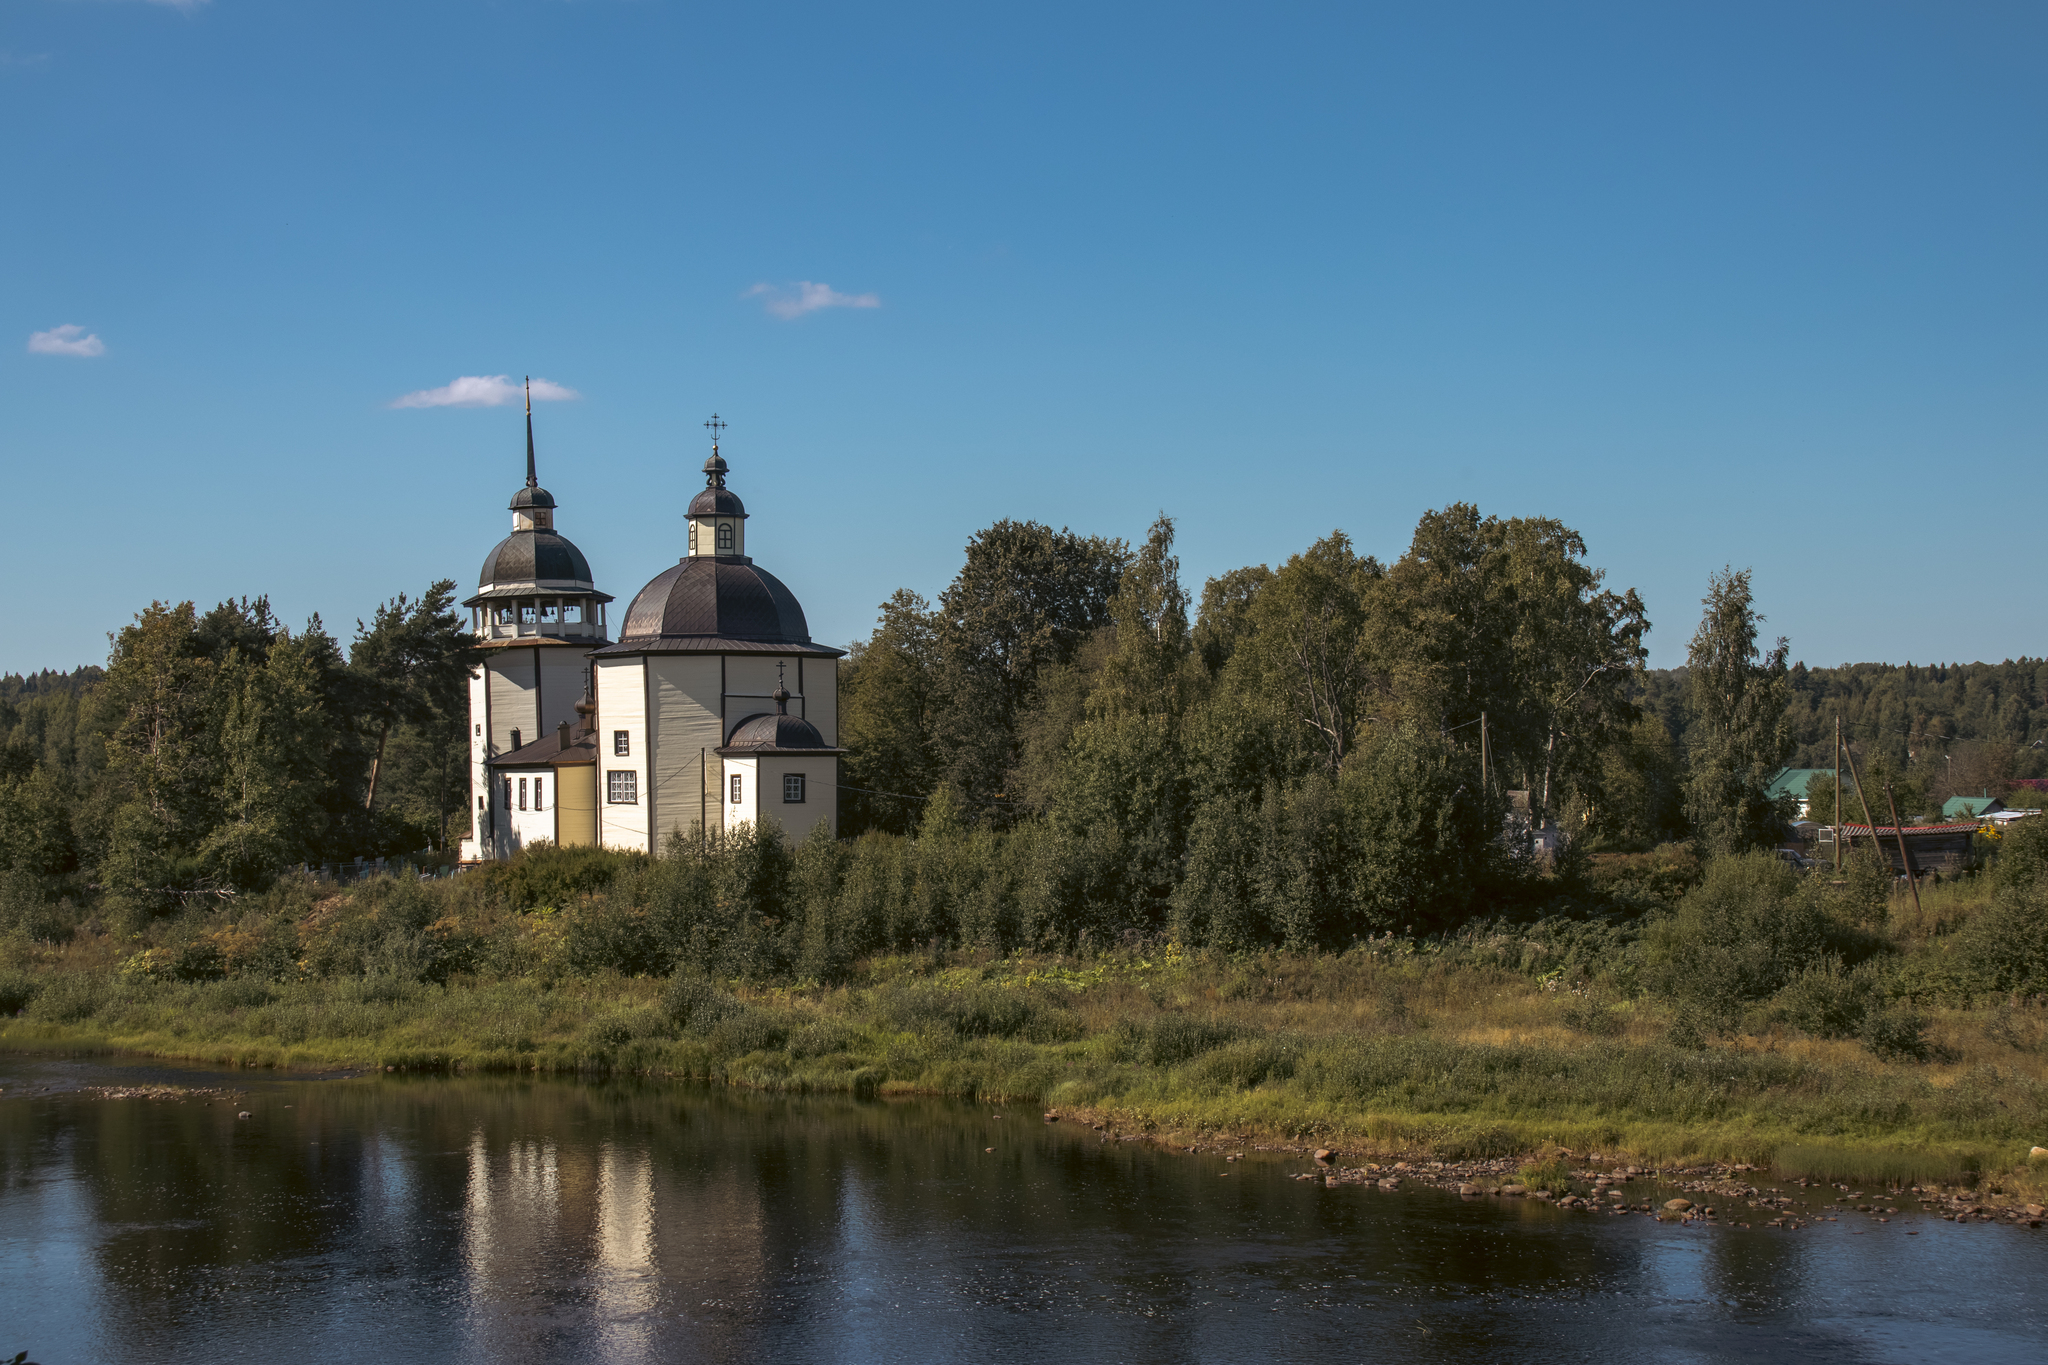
1719 283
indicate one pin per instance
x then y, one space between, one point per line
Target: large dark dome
724 596
535 556
777 734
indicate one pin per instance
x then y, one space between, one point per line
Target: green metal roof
1967 806
1792 781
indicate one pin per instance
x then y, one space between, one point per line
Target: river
399 1219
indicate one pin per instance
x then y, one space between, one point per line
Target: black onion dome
536 556
708 595
717 502
782 734
531 496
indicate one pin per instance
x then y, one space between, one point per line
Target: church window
538 804
693 537
522 793
735 789
508 793
622 743
725 537
622 787
479 727
792 788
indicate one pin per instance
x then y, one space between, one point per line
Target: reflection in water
488 1220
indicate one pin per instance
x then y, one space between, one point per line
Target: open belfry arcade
711 709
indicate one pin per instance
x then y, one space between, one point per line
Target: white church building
712 708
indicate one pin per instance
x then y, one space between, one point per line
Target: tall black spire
531 480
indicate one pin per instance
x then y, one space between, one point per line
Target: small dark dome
532 497
716 595
717 502
780 733
535 556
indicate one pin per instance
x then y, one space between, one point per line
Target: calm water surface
398 1219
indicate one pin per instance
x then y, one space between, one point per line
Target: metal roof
718 502
549 752
533 557
713 644
776 734
716 595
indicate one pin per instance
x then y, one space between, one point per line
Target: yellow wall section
576 805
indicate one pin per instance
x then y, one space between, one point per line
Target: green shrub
1243 1065
750 1030
1825 1001
70 999
1553 1176
1898 1034
1749 929
821 1039
1172 1039
971 1012
697 1004
17 989
1591 1014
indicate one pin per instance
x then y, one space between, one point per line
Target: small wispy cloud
70 339
182 6
485 391
11 58
795 300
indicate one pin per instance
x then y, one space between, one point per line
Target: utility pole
1838 792
1904 861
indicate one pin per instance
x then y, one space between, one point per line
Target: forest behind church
1309 753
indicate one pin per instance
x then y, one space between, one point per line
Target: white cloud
793 301
70 339
484 391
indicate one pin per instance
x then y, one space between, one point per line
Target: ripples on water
402 1219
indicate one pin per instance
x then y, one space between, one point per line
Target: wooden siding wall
685 691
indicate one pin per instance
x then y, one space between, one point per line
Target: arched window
693 537
725 537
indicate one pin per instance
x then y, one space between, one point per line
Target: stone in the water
1325 1154
1051 1117
244 1114
1468 1188
1678 1205
1514 1189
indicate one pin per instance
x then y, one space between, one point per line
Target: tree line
217 748
1305 754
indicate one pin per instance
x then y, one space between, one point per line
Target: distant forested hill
1977 723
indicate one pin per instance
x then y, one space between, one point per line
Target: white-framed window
622 787
792 789
622 743
538 803
522 793
735 789
725 537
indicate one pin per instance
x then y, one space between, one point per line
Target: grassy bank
1454 1050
